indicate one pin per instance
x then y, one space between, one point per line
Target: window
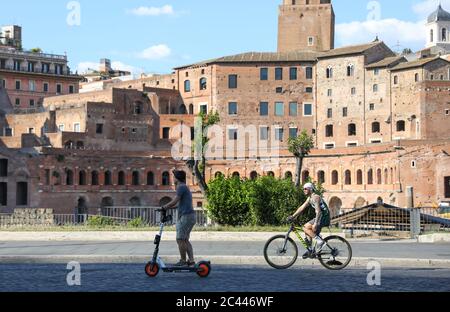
108 178
413 164
32 85
192 133
17 102
30 67
99 128
22 194
166 133
264 133
121 178
431 77
166 179
45 68
187 86
444 34
17 65
370 177
352 129
329 92
375 141
31 103
278 73
3 167
350 70
447 187
61 128
264 74
400 125
232 108
203 83
307 110
376 127
58 88
329 145
334 177
204 109
82 178
293 133
4 83
232 81
279 90
232 134
371 106
395 80
309 73
136 178
376 71
18 86
353 91
137 108
447 112
310 41
150 178
71 89
321 177
293 111
76 127
416 77
330 113
344 112
279 109
45 88
94 176
359 177
375 88
348 177
279 132
352 144
264 109
309 90
8 132
329 72
329 131
3 194
431 35
293 73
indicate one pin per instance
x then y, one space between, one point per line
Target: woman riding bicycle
322 219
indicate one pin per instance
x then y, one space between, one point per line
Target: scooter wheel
152 269
204 269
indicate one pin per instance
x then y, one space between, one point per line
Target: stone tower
306 25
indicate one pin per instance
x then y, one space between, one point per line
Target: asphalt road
131 278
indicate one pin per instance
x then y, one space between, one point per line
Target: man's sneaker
307 255
181 263
191 263
319 247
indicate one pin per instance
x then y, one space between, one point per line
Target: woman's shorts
185 225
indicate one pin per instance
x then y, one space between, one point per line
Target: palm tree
300 148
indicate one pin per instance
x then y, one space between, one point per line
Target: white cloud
425 8
389 30
153 11
156 52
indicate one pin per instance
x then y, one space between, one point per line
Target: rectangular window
232 134
352 144
99 128
204 109
61 128
293 133
17 65
76 127
307 110
330 113
166 133
345 112
264 109
232 108
447 112
353 91
447 187
264 133
71 89
371 106
309 73
58 88
3 193
309 90
18 86
264 74
192 133
31 67
329 92
45 87
279 109
31 103
8 132
32 85
45 68
293 73
278 73
376 71
232 81
4 83
17 102
3 167
329 146
293 111
279 132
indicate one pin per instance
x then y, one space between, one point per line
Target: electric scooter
203 268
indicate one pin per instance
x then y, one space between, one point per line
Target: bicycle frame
297 230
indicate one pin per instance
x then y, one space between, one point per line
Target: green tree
300 147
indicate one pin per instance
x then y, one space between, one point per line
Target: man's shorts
324 223
185 225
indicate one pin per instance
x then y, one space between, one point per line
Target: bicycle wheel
336 253
278 256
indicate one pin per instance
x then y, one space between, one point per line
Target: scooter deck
181 269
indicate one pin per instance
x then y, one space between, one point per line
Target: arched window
329 72
182 109
236 175
416 77
359 177
305 176
136 179
121 178
334 177
203 83
400 126
348 177
150 178
386 176
379 176
376 127
444 34
350 70
108 178
351 129
187 86
82 178
375 88
94 178
166 179
137 108
431 35
69 177
271 174
191 109
321 177
253 175
219 175
370 177
288 175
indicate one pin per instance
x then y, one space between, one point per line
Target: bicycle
336 253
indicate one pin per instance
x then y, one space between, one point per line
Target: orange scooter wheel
204 269
152 269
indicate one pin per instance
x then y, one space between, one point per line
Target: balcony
37 71
28 54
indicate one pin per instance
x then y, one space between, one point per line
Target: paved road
407 250
131 278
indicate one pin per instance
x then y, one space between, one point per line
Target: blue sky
155 36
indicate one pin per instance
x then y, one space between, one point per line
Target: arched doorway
81 211
335 206
107 203
360 202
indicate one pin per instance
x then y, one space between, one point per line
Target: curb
218 260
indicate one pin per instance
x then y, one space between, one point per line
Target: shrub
136 223
100 221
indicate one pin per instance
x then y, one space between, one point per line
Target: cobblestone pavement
131 278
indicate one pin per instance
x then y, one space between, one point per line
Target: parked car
444 210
